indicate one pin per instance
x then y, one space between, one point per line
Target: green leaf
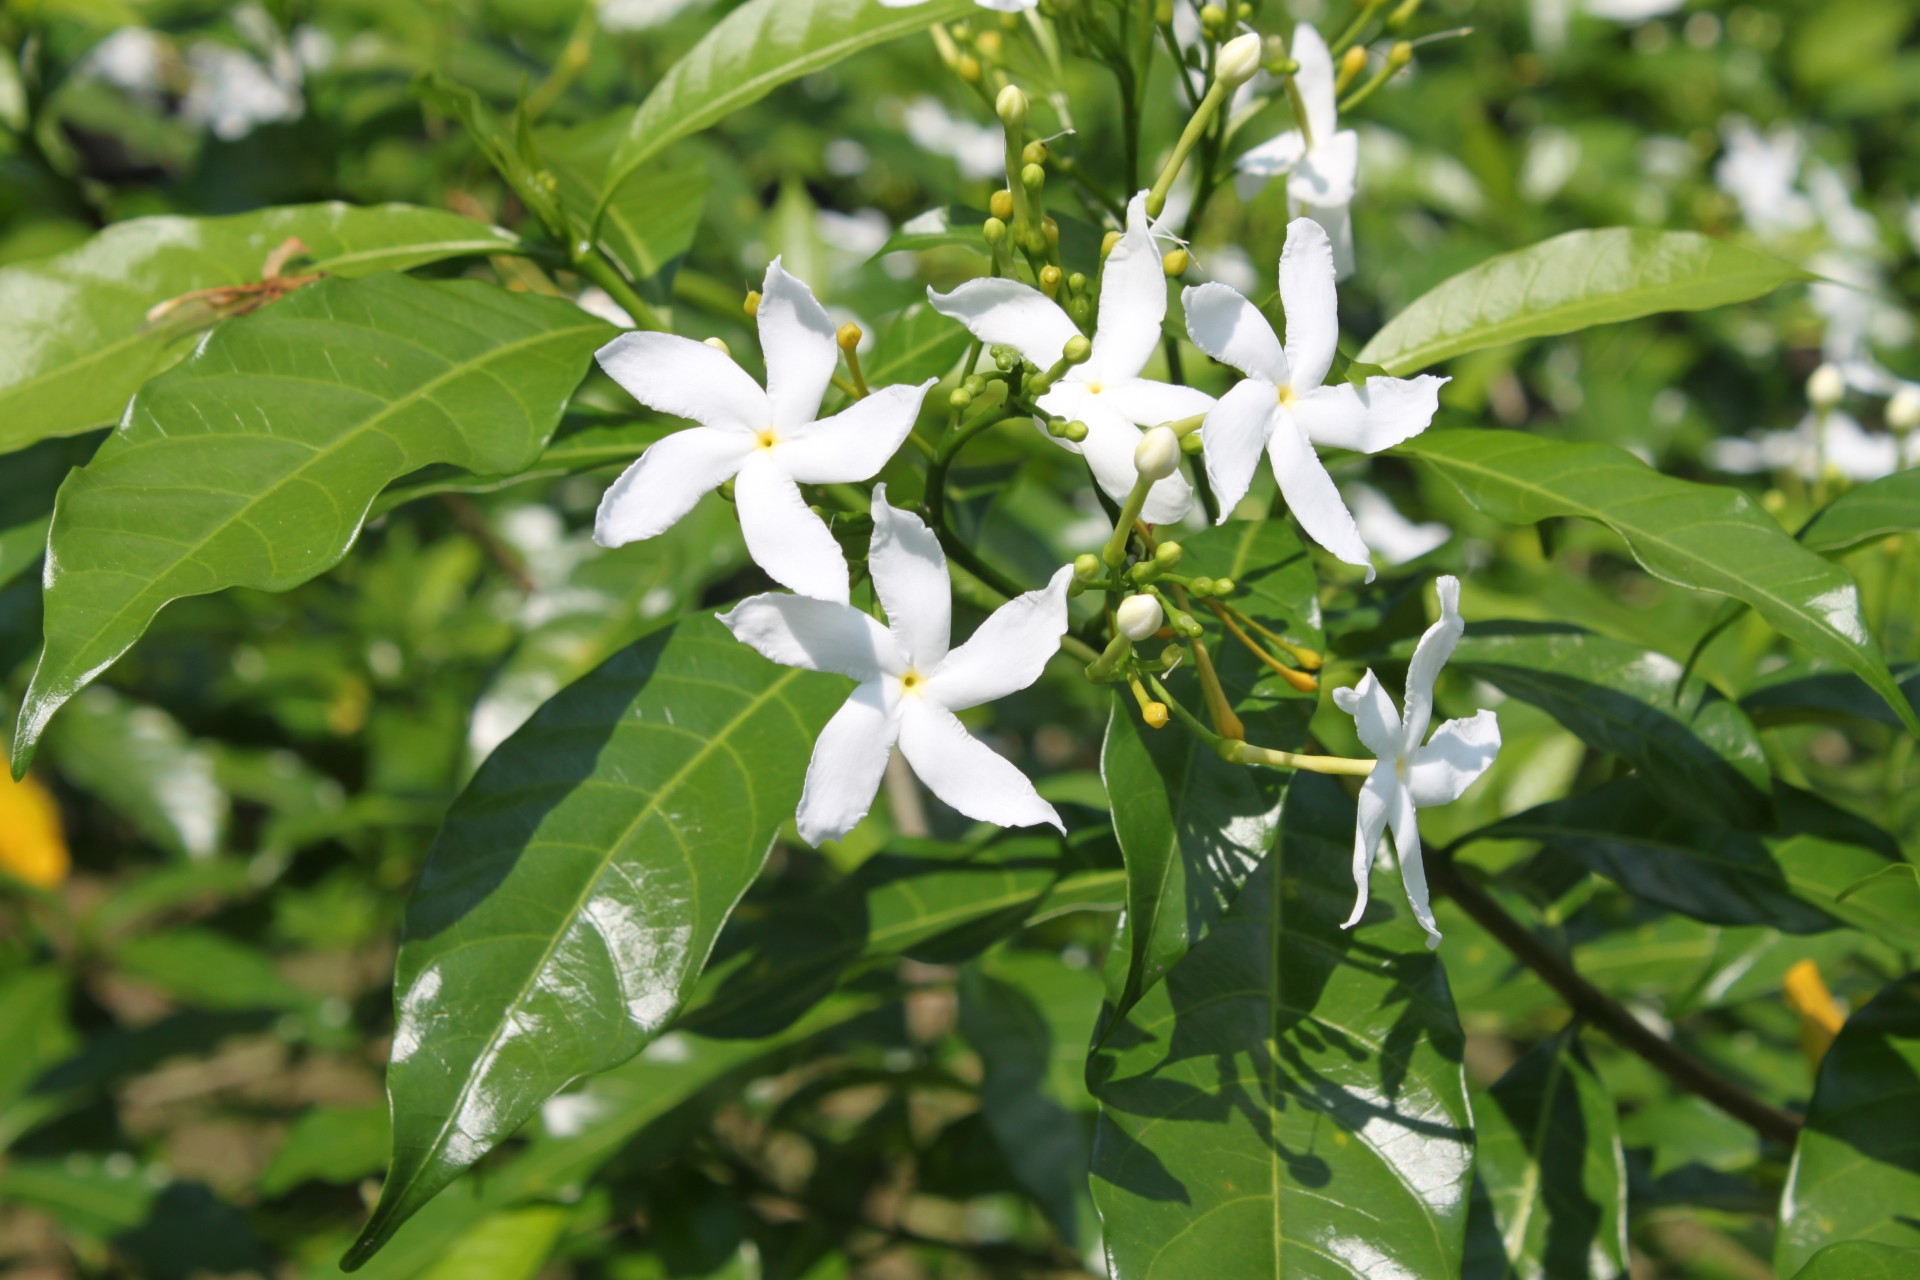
143 765
1886 506
577 886
1706 537
207 969
511 1245
28 481
1811 691
1856 1167
1550 1178
752 51
1290 1101
915 345
1573 281
1861 1260
1694 748
254 462
945 226
75 342
1789 877
333 1144
647 227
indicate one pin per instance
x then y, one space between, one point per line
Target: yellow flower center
911 682
766 439
1286 396
1093 388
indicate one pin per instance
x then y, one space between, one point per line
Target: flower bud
994 230
1825 388
1192 443
1034 153
960 398
988 42
1000 204
1213 19
1051 230
1050 277
1223 586
1011 107
1086 566
1078 280
1239 59
1399 55
1057 428
752 304
1903 410
1202 587
1186 624
1081 309
848 336
1138 617
1077 350
1157 455
1111 239
720 345
968 68
1155 714
1175 263
1076 431
1168 554
1033 177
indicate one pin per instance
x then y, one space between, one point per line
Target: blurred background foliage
209 862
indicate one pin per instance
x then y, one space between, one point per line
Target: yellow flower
1820 1017
32 847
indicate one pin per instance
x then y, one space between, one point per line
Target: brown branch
1612 1017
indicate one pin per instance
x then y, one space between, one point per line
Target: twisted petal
1429 656
1328 175
1235 434
1006 313
1413 870
1370 418
854 443
1378 797
1374 718
1008 652
1133 301
1274 156
814 635
1310 493
796 336
1460 751
784 538
1231 330
665 482
687 379
965 772
910 577
1307 295
1315 80
849 758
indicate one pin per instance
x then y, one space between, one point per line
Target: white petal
965 772
796 337
1431 654
1311 496
1147 403
1108 449
1337 222
1133 301
687 379
854 443
1307 295
1370 418
1006 313
1235 434
814 635
783 536
1374 718
1274 156
1315 80
1329 174
665 482
1413 871
849 759
1461 750
1231 330
1378 796
1008 652
910 577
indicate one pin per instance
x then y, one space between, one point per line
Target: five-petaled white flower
1321 161
1410 776
1106 392
769 442
1283 407
910 683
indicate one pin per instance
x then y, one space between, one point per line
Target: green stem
595 266
1195 130
1114 554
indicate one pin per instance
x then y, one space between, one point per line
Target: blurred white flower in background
1760 174
638 15
980 150
1388 534
1845 448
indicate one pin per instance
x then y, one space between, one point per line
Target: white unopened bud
1011 106
1239 59
1825 387
1903 411
1139 617
1157 455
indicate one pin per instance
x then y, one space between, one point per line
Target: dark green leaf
1861 1260
1289 1101
1573 281
1550 1178
1856 1168
254 462
75 341
574 892
1812 691
28 481
1705 537
1888 505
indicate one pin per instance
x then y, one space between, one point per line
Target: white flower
768 442
1106 392
998 6
1388 533
1759 173
1410 776
1843 447
910 683
1139 617
1283 407
979 149
1322 169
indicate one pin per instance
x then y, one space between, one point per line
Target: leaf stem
594 265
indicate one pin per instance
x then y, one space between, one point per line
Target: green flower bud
1192 443
1175 263
1186 625
1077 281
1223 586
1033 177
1076 431
1078 348
1086 566
1000 204
1168 554
1050 278
960 398
1111 239
1239 59
1201 587
1011 107
993 230
1034 153
1213 19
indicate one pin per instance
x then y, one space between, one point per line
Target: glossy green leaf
1290 1100
1705 537
1550 1178
648 226
1573 281
1886 506
254 462
28 481
75 341
1856 1167
1694 748
577 885
511 1245
1811 691
1861 1260
752 51
1789 877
